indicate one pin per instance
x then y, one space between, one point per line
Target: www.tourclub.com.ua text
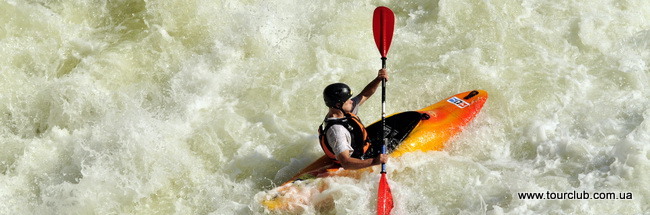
575 195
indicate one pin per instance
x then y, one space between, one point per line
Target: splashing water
196 107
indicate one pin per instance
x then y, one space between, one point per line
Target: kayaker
342 135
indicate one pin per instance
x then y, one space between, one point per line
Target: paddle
383 22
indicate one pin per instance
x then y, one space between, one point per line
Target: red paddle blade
384 196
383 23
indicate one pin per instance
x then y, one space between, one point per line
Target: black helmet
336 93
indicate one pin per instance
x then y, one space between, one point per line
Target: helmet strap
341 109
339 106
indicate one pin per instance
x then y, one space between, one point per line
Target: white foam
196 107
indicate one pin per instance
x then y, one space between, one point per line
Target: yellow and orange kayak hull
433 127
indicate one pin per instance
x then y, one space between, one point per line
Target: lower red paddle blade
384 196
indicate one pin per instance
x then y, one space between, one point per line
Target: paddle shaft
383 114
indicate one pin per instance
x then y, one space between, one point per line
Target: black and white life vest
358 134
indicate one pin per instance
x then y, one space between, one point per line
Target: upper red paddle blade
383 23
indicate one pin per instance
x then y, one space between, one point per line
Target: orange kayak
423 130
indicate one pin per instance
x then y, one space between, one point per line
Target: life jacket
359 136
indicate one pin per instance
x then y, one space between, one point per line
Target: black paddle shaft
383 114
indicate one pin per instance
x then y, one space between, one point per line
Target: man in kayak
342 135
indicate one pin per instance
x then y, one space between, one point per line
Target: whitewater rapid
202 106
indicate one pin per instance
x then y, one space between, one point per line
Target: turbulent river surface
202 106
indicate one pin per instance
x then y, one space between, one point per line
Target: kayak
424 130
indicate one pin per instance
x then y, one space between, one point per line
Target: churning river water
202 106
